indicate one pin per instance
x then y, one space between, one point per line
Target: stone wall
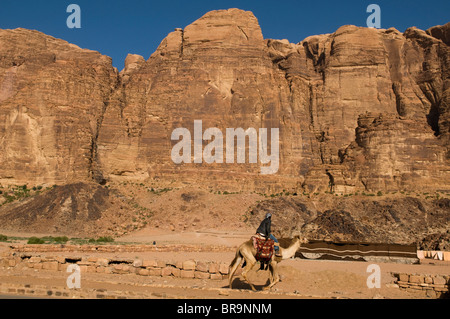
64 292
37 248
431 285
142 267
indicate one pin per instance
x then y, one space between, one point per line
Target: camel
247 252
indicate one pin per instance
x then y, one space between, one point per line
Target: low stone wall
433 285
64 292
153 267
36 248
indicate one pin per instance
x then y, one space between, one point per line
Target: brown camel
247 252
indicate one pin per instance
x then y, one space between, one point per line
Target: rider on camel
265 231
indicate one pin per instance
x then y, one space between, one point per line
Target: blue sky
116 28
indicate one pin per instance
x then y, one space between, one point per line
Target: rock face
215 70
52 99
359 109
341 77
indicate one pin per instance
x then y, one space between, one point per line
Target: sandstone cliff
52 99
358 109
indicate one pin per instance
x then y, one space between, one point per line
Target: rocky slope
79 209
90 210
401 220
358 109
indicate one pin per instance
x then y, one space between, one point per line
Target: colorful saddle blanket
264 248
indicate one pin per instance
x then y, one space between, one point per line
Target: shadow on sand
239 283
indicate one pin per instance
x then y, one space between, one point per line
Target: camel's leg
251 261
270 274
274 278
244 275
233 267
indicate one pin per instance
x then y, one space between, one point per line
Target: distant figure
331 182
264 230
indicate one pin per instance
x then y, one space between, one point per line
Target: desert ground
165 217
300 278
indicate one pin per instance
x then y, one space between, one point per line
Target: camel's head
301 239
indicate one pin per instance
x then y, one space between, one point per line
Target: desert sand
300 278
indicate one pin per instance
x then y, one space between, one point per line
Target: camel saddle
264 248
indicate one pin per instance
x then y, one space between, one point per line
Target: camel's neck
291 250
